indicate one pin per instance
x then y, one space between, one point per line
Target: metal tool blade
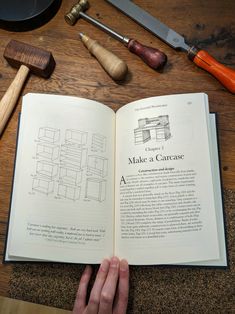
152 24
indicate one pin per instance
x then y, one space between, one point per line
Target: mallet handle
10 98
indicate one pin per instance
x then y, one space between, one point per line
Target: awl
200 57
153 57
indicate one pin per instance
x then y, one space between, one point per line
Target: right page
165 210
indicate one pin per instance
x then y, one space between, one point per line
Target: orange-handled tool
205 61
200 57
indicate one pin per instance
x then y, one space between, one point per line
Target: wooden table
8 306
210 24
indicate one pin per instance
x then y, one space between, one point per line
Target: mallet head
72 16
39 61
27 58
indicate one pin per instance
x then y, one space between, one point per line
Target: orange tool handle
225 75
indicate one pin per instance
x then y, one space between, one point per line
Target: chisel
201 58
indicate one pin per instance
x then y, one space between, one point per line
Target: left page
62 205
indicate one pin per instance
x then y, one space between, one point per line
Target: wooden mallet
28 59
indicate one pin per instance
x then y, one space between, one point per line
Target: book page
63 196
165 209
222 261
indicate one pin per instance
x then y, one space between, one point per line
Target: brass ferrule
73 15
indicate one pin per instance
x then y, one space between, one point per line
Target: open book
142 183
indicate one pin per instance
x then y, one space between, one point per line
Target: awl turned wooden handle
112 64
225 75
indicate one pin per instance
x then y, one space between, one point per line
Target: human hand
110 291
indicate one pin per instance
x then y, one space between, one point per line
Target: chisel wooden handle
225 75
113 65
9 100
151 56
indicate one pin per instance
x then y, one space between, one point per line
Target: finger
109 288
121 299
94 300
80 302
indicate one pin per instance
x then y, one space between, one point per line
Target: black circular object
23 15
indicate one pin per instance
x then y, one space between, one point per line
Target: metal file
201 58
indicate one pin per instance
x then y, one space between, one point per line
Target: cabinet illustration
156 129
97 165
95 189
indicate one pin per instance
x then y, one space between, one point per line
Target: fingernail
87 268
105 265
124 265
114 261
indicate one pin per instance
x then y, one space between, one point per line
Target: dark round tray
23 15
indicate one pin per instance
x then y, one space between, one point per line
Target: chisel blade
152 24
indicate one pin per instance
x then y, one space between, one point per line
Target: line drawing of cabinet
48 169
48 151
73 155
95 189
69 192
156 129
75 137
50 135
70 175
98 143
43 185
64 168
97 165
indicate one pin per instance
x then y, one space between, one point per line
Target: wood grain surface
209 24
9 306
